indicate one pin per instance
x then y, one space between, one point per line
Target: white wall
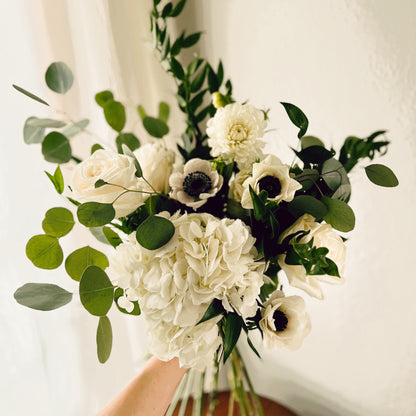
350 66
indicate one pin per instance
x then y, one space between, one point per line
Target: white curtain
349 65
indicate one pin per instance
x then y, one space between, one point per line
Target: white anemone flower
234 133
323 236
271 175
284 322
195 183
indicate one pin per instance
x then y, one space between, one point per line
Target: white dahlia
284 322
195 182
234 133
323 236
271 175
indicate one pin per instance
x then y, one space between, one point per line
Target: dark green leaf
80 259
115 115
199 79
297 117
334 174
166 10
104 339
220 73
59 77
136 308
95 214
57 179
154 232
306 204
104 97
314 154
32 134
340 215
214 309
75 128
177 10
96 147
191 40
44 251
177 69
197 101
42 296
259 206
251 345
165 48
100 183
58 222
381 175
112 237
155 127
96 291
307 141
233 326
45 122
164 112
128 139
56 148
29 94
212 80
141 111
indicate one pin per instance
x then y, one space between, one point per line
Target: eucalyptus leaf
306 204
155 127
29 94
128 139
57 179
56 148
44 251
115 115
164 111
339 215
59 77
112 237
33 134
42 296
297 117
58 222
232 331
126 150
75 128
307 141
154 232
95 147
334 174
307 178
104 339
46 122
381 175
80 259
95 214
96 291
104 97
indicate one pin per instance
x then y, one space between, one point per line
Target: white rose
234 133
324 236
156 161
113 168
236 184
284 322
271 175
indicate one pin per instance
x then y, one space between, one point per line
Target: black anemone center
271 185
280 320
196 183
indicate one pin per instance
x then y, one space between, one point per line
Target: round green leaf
306 204
80 259
129 140
75 128
96 291
59 77
381 175
155 127
307 141
44 251
42 296
56 148
334 174
104 339
340 215
46 122
136 308
95 214
154 232
314 154
32 134
104 97
58 222
115 114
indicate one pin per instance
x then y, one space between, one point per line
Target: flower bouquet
206 233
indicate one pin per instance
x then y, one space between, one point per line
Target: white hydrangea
324 236
234 133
